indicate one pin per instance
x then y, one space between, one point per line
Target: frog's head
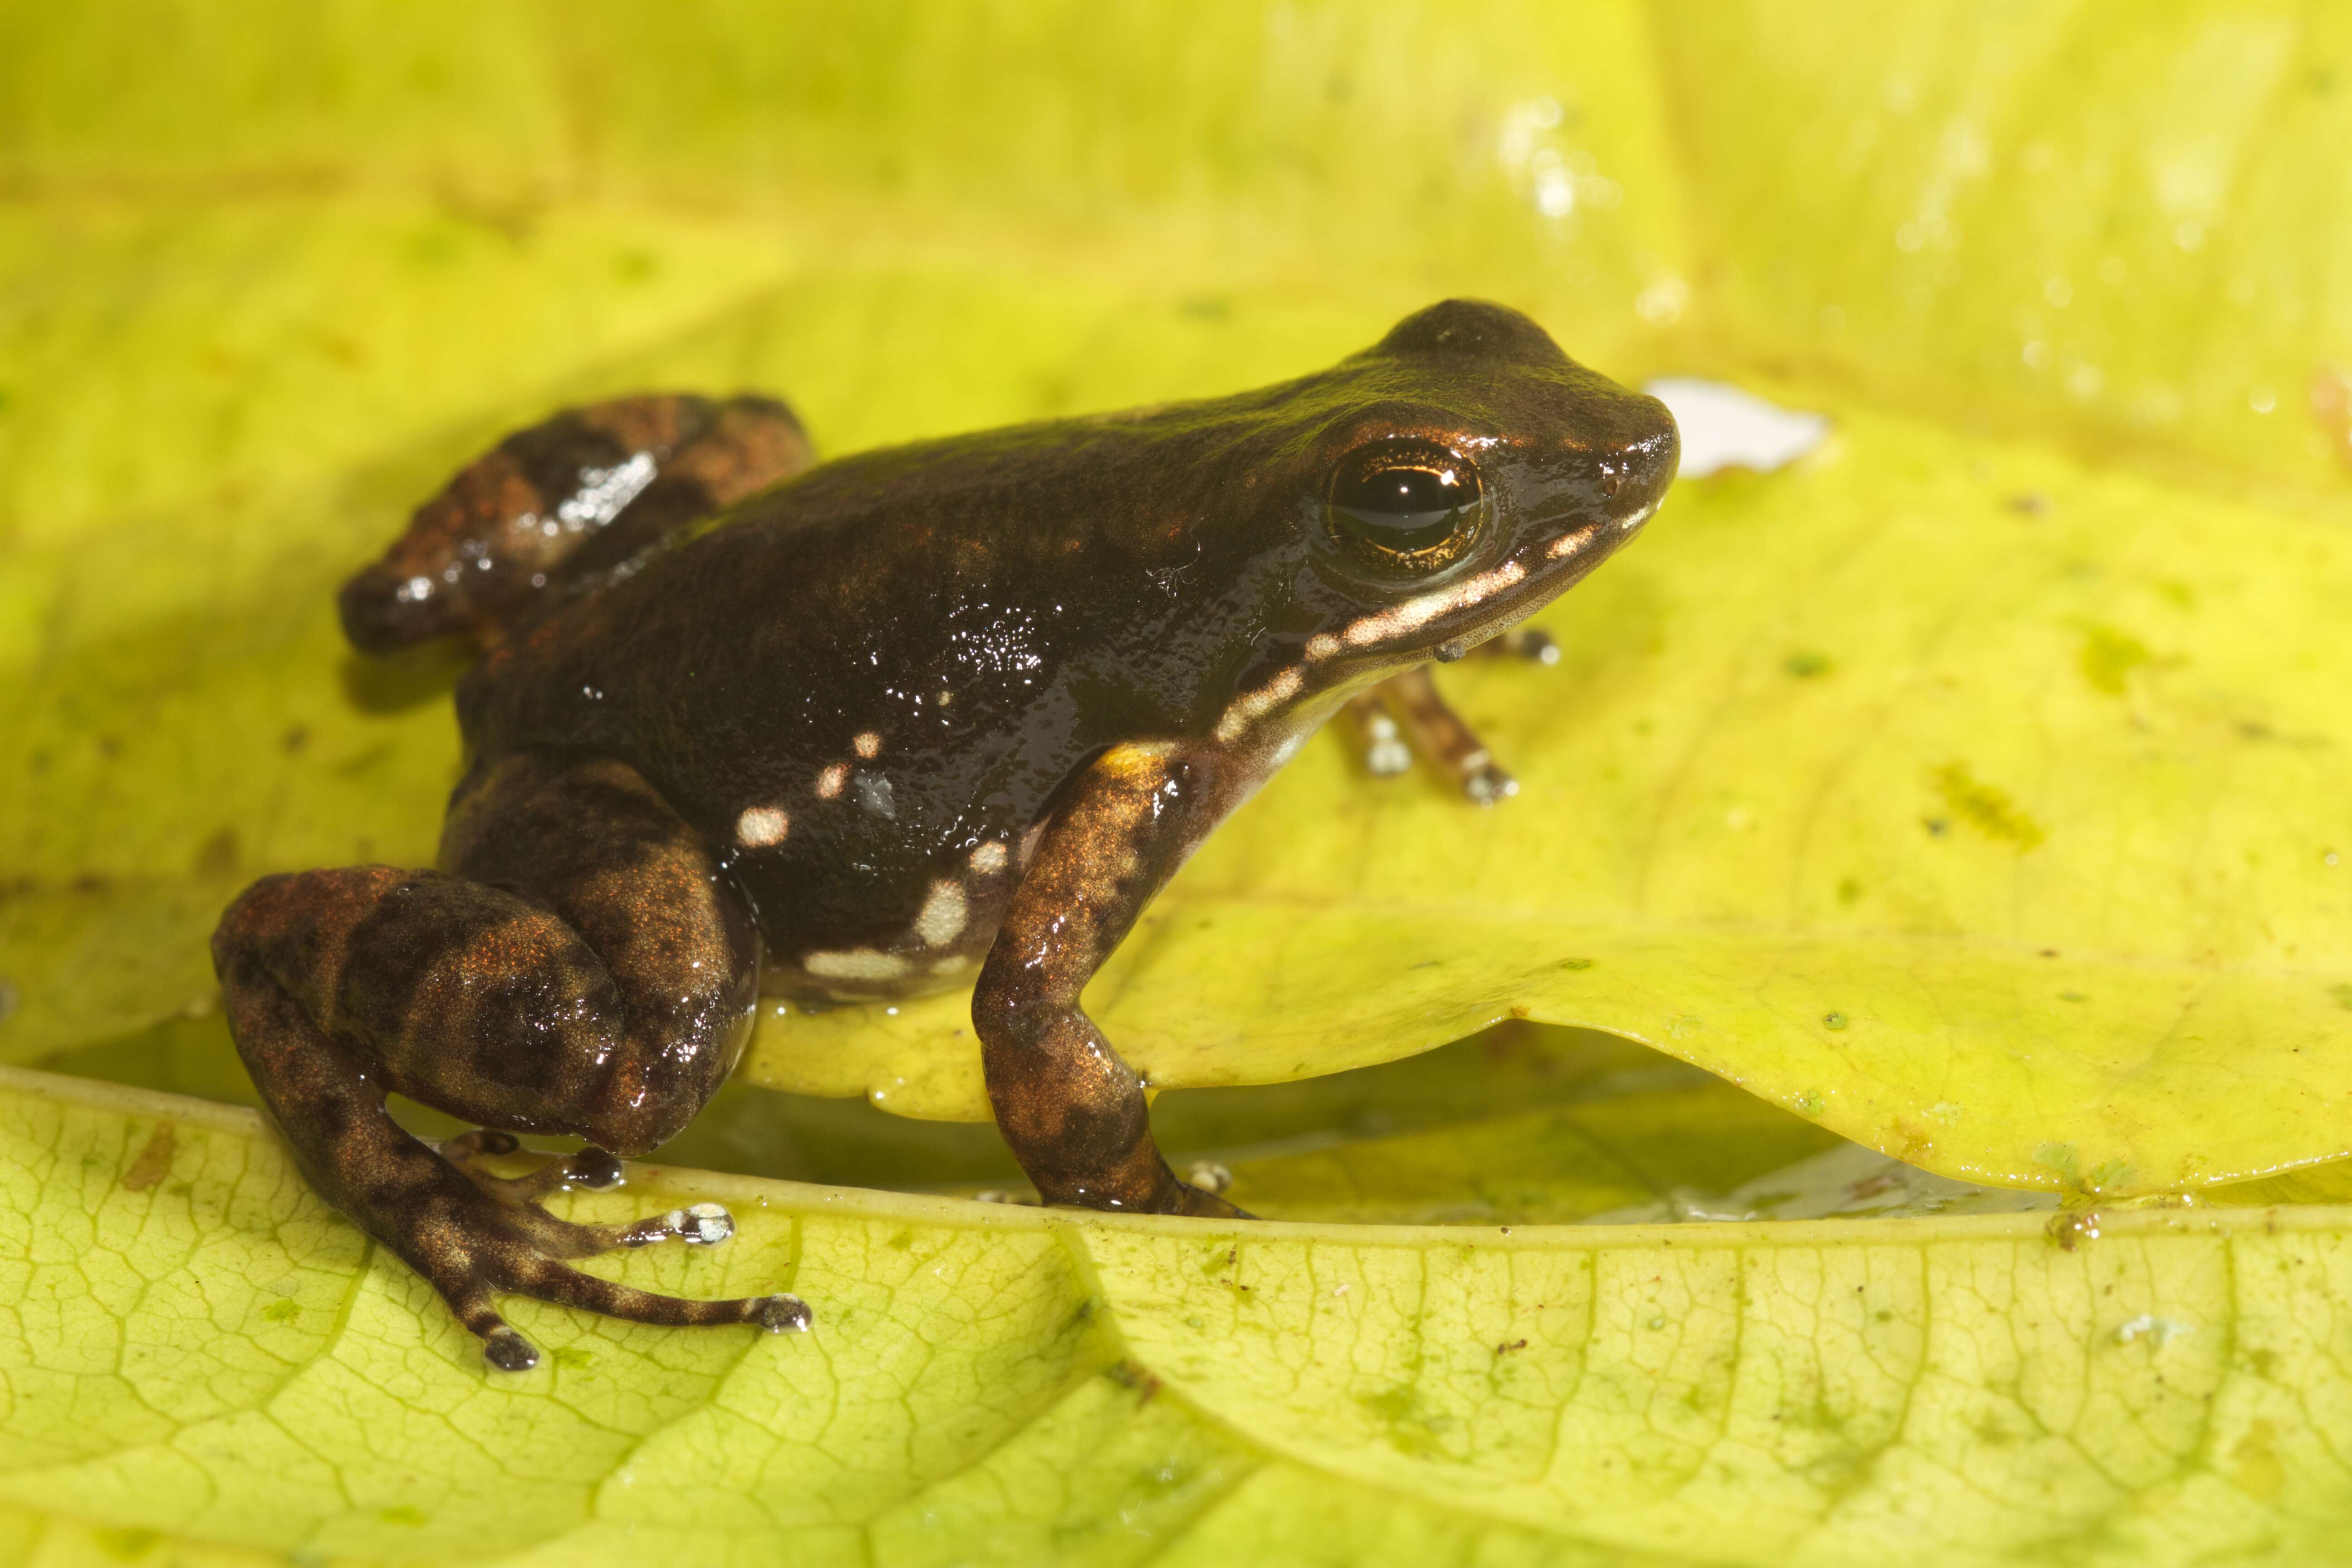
1466 473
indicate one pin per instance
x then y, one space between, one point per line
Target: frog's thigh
650 970
491 1001
1073 1112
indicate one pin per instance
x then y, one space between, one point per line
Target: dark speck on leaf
1805 664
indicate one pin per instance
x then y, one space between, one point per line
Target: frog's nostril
1609 485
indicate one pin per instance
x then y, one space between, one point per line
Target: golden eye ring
1405 504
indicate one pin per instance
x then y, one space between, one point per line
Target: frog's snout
1637 474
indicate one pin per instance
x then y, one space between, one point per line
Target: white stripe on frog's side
1569 544
1396 621
1251 706
1415 613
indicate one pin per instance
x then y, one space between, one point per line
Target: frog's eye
1405 504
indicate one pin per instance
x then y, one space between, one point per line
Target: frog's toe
1207 1205
783 1314
1385 752
594 1171
591 1170
507 1351
697 1225
550 1280
1487 784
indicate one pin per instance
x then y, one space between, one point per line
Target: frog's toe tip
1209 1177
507 1350
1489 786
594 1171
705 1225
785 1315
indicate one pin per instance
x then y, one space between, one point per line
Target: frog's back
867 684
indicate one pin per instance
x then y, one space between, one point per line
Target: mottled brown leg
590 972
1405 715
1072 1111
577 493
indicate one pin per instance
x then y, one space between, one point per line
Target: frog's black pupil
1418 504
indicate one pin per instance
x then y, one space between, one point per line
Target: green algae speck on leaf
1985 807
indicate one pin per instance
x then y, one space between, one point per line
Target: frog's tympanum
958 709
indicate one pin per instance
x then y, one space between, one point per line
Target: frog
742 724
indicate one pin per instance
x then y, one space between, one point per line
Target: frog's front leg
1405 716
583 968
1072 1111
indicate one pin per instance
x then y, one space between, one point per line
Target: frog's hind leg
1405 716
585 490
591 1170
585 969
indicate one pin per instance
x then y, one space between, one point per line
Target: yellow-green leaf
198 1354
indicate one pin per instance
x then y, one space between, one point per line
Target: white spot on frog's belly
829 783
867 745
943 915
989 857
855 963
761 826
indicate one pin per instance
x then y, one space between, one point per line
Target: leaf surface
196 1353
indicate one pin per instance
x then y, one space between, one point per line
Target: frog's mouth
1482 603
1473 607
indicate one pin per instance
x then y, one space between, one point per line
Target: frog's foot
1520 642
1200 1205
1405 716
469 1242
585 968
1384 751
591 1170
524 1249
